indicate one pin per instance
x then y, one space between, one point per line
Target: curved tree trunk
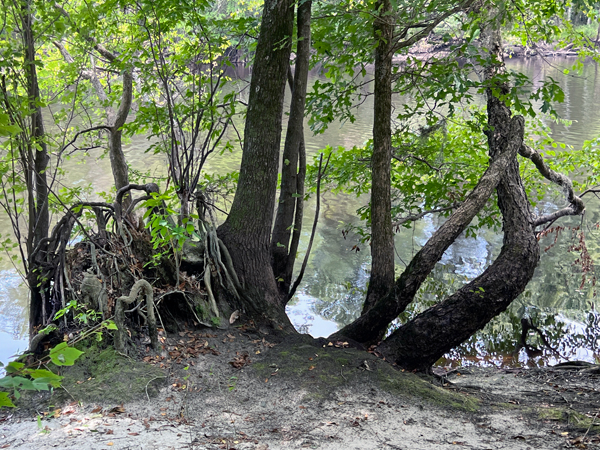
247 230
368 327
504 143
117 157
382 236
422 341
291 197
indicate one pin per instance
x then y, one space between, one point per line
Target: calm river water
332 290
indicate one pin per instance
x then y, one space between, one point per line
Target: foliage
22 378
166 235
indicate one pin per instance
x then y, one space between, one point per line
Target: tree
290 210
27 149
93 51
490 292
247 229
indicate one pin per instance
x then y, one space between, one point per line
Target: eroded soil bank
237 389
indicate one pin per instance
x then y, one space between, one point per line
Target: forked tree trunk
505 141
382 236
247 230
422 341
288 221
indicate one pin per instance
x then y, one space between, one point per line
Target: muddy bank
237 389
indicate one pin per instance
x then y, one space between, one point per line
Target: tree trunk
422 341
36 162
247 230
291 197
117 157
368 327
118 162
382 236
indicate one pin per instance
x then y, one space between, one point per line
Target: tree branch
576 206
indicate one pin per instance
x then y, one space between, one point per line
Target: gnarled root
121 334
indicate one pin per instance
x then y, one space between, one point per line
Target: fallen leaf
118 409
110 432
311 367
109 443
133 434
97 409
240 360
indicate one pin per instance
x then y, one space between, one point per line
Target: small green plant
165 233
232 383
81 315
21 378
216 321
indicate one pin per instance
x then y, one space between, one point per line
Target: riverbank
238 389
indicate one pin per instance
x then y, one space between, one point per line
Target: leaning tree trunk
368 327
423 340
291 197
382 236
247 230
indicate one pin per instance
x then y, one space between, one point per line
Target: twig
148 383
314 227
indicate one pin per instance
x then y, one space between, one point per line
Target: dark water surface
333 288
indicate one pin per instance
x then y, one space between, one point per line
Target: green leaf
5 401
14 367
110 325
63 355
46 376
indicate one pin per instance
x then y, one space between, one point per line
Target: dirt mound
238 389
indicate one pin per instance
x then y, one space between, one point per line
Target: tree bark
382 236
247 230
117 157
291 197
368 327
422 341
36 161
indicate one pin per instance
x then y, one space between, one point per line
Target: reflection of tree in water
339 300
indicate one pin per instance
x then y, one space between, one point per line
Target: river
333 287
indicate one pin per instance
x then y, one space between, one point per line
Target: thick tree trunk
247 230
291 197
419 343
382 236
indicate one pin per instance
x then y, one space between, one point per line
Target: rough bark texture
423 340
117 157
247 230
289 210
36 162
382 236
368 327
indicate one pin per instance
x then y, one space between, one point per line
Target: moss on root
573 418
